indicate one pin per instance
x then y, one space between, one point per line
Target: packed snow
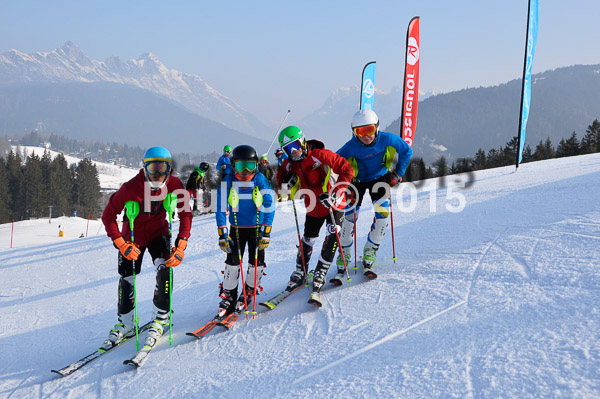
495 293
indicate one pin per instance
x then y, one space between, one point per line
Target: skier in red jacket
309 166
150 231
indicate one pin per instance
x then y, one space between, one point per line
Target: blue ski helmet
157 154
157 160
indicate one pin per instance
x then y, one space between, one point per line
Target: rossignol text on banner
410 99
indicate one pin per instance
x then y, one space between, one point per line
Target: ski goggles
292 146
160 167
367 130
241 166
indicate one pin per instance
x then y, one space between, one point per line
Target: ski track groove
478 264
278 329
573 234
378 342
523 267
19 385
469 377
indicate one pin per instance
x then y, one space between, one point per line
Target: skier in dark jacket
151 232
196 183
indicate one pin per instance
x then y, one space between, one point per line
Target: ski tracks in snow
378 342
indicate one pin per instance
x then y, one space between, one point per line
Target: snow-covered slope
499 300
69 64
110 176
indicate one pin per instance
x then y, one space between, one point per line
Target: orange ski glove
177 253
128 249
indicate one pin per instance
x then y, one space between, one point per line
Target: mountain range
69 64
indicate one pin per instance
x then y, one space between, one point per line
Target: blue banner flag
367 89
532 31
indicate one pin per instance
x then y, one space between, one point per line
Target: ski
289 290
206 328
71 368
230 320
338 279
315 299
139 358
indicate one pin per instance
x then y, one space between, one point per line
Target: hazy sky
269 56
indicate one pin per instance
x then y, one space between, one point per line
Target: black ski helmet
204 166
244 153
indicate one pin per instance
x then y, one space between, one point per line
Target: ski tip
335 281
130 362
315 303
191 334
59 373
267 305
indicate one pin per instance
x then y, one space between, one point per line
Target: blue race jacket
372 162
224 160
246 211
282 158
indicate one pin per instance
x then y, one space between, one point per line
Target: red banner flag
410 99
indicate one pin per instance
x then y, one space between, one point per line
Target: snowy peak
72 52
69 64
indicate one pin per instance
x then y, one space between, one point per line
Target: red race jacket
151 222
314 174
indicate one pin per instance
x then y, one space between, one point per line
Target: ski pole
337 236
170 205
300 243
355 244
392 222
132 209
234 201
278 130
258 200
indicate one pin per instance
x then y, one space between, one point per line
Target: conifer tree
88 188
590 143
14 171
549 149
480 160
441 167
35 201
4 194
60 186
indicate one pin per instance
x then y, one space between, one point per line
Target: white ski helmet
365 117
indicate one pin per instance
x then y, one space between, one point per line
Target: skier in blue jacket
248 196
371 154
224 163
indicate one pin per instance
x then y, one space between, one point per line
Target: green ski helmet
227 148
291 138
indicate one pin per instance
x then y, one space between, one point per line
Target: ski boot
296 279
241 305
123 329
160 320
341 270
368 260
318 281
227 304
